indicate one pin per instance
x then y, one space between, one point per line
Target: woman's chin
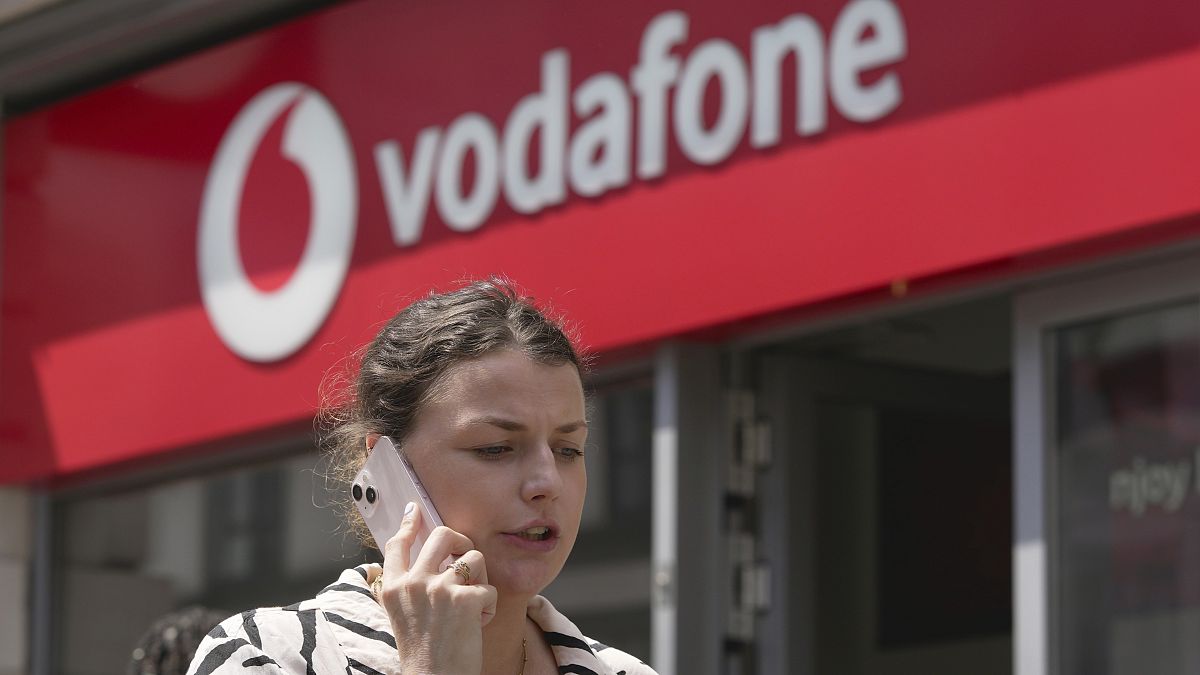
524 577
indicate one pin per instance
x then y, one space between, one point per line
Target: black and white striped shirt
344 631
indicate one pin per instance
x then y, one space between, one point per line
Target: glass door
1108 475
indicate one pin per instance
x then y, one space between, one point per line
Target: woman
483 394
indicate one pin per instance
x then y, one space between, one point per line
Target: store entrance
893 442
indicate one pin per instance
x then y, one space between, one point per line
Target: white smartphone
381 490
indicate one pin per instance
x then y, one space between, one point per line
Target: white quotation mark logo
268 326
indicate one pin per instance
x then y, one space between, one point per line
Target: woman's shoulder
320 635
572 648
619 661
270 640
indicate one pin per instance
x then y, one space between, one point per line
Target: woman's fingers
483 598
436 612
488 604
398 548
442 543
473 565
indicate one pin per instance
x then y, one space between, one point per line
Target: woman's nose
542 479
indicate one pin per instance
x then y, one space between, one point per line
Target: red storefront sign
648 171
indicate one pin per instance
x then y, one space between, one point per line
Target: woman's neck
503 637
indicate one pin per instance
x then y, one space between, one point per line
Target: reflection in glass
1128 574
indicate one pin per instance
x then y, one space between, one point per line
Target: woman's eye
568 452
492 451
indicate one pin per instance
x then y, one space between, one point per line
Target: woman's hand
437 616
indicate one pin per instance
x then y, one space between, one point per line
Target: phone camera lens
370 495
356 491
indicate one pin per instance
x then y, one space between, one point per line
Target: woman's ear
371 438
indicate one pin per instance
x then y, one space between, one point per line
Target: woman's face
499 448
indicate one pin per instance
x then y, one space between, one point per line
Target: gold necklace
377 590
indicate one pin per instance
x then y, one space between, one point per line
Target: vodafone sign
188 252
598 158
267 326
868 35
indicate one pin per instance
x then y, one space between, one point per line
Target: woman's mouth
534 537
534 533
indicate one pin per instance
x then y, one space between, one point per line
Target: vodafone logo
594 135
263 325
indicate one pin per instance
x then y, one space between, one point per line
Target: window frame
1037 313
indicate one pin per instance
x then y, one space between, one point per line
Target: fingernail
412 506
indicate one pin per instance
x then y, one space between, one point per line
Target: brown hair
408 357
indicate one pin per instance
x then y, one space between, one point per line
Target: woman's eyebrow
513 425
572 426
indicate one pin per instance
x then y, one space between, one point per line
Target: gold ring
463 570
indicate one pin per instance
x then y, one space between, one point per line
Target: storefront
893 304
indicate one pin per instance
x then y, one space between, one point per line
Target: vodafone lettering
868 35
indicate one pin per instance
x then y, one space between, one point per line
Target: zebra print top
345 631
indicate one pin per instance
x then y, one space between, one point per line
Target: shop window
620 432
1128 493
244 527
250 536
